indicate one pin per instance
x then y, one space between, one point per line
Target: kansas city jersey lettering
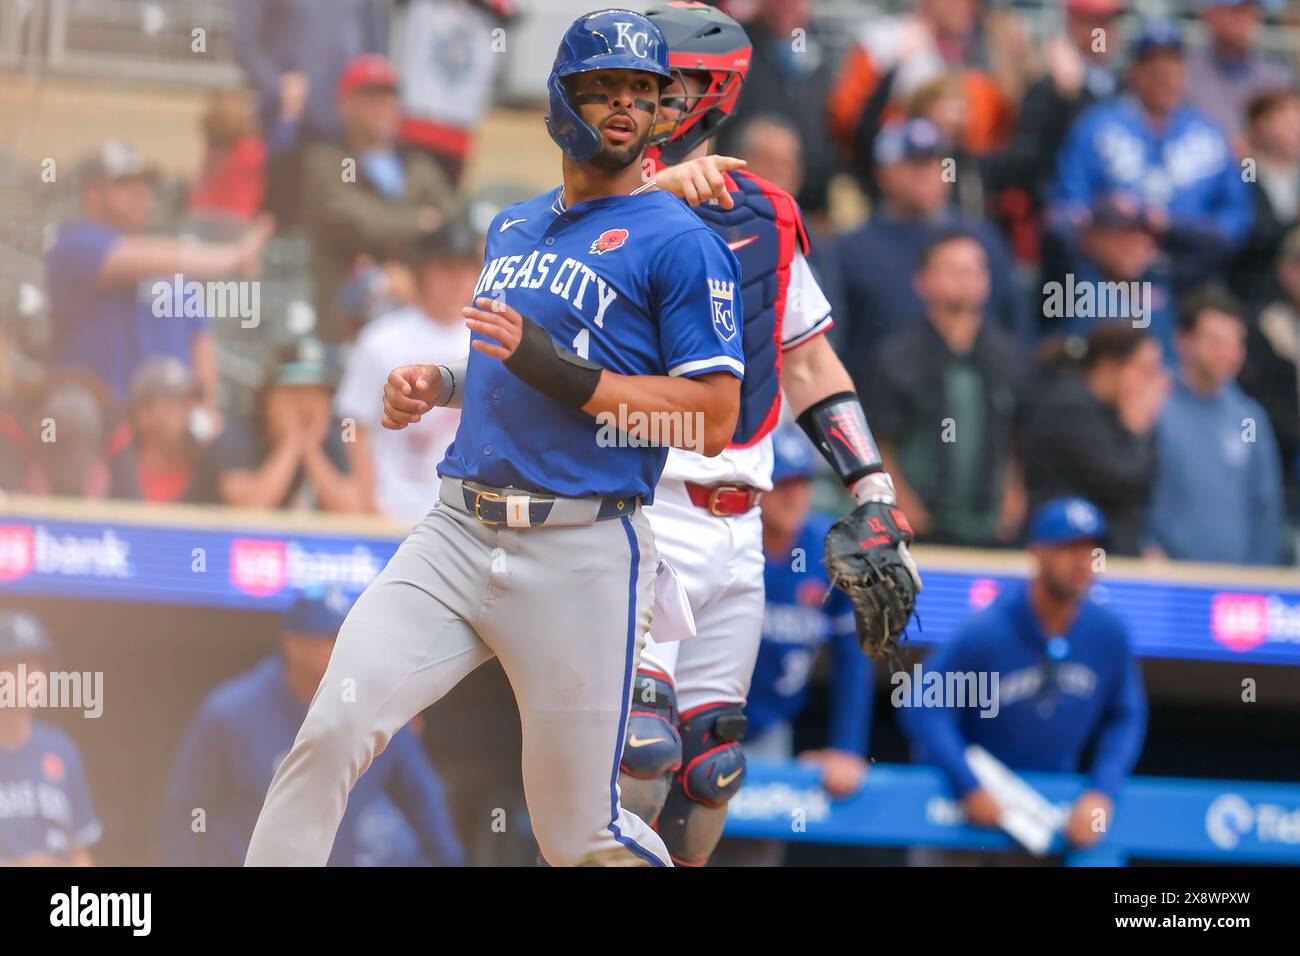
637 284
571 280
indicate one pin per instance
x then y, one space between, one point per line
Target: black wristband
554 371
838 427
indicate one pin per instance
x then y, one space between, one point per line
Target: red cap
1094 8
370 70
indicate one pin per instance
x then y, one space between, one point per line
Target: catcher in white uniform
682 759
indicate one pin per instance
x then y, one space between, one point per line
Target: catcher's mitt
867 559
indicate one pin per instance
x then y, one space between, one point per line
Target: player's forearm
810 372
712 400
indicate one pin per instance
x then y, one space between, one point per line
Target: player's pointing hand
699 180
501 324
409 392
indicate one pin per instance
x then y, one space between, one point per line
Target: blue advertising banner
1219 821
259 569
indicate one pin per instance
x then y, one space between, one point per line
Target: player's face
621 105
1066 570
677 98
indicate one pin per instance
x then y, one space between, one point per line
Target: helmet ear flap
566 126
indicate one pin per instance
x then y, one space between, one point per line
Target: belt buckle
713 499
478 500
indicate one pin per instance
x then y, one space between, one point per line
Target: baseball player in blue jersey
397 815
46 817
591 302
683 760
1067 680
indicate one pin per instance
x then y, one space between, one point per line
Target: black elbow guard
554 371
838 427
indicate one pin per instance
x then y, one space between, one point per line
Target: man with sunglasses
1066 680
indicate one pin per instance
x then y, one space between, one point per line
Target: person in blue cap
797 625
1174 158
46 814
397 815
1067 680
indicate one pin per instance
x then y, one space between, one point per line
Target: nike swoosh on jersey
514 222
634 741
741 243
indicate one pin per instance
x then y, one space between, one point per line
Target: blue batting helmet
604 40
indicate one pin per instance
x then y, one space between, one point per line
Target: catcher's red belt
723 500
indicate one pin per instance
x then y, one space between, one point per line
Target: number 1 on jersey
582 343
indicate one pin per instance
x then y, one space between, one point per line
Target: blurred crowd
1062 246
1063 251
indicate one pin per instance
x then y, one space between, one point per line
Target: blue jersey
44 801
796 625
1187 168
396 816
638 285
1047 716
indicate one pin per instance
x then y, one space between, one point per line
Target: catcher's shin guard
713 771
652 749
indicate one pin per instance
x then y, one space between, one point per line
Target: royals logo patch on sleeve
722 297
607 241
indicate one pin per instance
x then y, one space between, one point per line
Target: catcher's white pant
719 561
565 608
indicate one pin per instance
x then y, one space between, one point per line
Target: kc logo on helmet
639 43
608 241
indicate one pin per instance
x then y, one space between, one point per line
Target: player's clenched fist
410 392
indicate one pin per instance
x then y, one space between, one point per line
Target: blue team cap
1156 35
912 139
318 610
1067 520
22 636
792 455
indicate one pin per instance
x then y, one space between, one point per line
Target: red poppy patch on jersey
52 767
608 241
810 593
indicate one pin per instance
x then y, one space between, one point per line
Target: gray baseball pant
565 607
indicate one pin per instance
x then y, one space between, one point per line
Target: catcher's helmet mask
705 42
614 39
